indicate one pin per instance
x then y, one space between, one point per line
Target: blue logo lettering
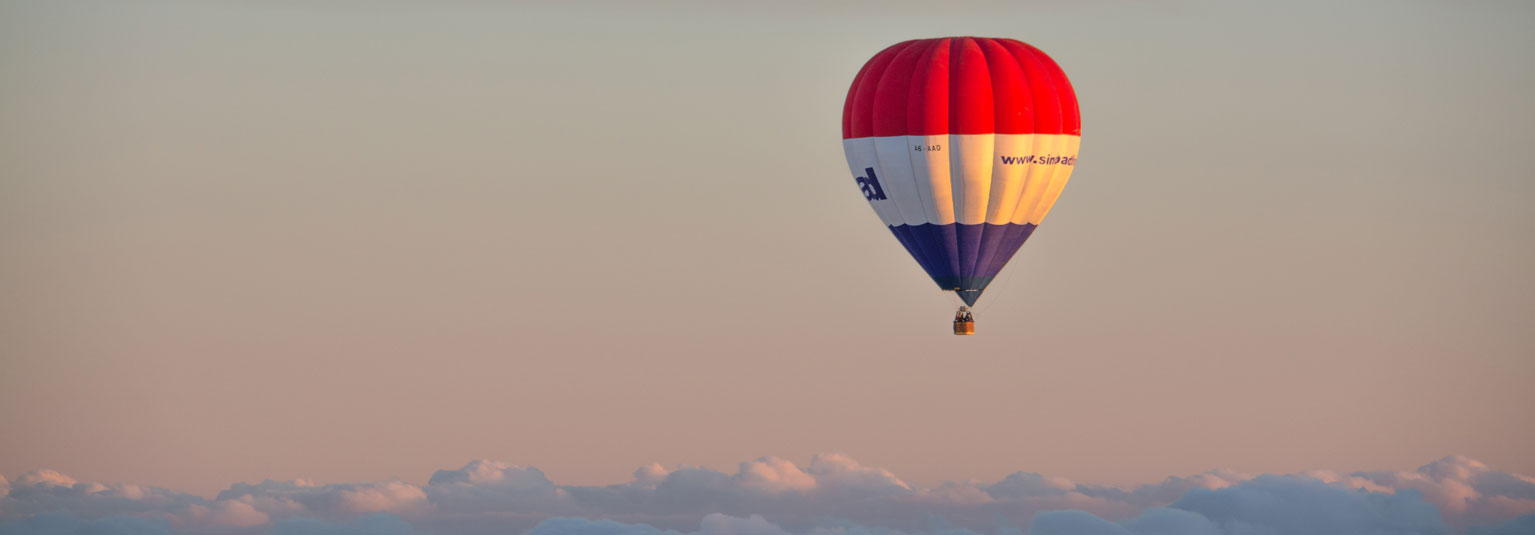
870 186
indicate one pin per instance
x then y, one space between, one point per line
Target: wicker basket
962 327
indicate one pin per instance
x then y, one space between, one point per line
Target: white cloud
1025 485
46 491
1466 491
301 498
1168 521
839 473
489 486
392 496
833 494
583 526
221 514
374 524
718 524
1300 505
1523 525
1073 523
650 475
1271 505
45 478
771 474
69 523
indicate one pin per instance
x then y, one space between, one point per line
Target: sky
361 242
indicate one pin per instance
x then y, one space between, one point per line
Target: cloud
713 524
832 494
771 474
222 514
1523 525
286 499
45 479
1271 505
1465 490
582 526
1167 521
1301 505
69 523
1074 523
45 491
374 524
718 524
485 486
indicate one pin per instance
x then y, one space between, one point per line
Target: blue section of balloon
963 258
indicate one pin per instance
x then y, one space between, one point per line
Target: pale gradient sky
251 240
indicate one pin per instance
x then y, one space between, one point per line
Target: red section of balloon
960 85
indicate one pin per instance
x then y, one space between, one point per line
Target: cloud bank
832 495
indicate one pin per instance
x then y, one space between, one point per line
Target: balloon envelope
961 145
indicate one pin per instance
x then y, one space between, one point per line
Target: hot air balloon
961 145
